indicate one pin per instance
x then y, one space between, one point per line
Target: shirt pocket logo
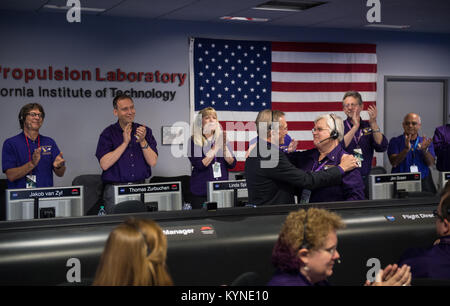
46 150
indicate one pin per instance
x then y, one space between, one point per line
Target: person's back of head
266 121
134 255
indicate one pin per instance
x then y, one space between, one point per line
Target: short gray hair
334 122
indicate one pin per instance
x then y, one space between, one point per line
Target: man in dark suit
271 178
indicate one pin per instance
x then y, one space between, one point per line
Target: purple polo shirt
15 153
432 262
201 174
441 144
131 166
352 186
397 144
364 139
292 279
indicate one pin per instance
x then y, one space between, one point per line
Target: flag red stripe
322 87
313 106
323 47
248 125
323 67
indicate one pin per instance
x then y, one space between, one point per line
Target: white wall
38 41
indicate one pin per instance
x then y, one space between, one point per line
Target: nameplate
397 178
230 185
44 193
148 188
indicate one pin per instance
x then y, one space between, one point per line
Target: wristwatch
145 147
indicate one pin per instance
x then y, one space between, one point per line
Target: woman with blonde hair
134 255
210 154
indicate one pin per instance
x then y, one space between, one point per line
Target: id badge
31 181
306 194
359 156
217 172
414 168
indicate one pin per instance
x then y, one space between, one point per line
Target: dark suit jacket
277 185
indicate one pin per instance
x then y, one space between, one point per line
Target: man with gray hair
271 178
410 152
362 138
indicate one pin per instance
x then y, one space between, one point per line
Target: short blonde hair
319 223
134 255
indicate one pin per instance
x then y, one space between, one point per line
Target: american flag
304 80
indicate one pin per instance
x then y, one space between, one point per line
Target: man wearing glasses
29 159
410 152
433 262
362 138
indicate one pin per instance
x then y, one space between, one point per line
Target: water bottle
102 211
187 206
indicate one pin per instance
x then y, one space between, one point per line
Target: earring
306 268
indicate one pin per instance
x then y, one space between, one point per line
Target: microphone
325 139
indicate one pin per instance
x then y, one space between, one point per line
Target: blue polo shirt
131 166
15 153
416 157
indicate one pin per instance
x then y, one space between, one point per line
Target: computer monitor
227 193
156 196
48 202
443 179
384 186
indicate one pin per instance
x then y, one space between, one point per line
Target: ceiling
421 15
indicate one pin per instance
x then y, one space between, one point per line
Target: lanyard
320 167
354 136
28 145
414 148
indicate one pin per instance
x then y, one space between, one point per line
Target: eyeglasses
39 115
331 250
437 215
318 130
411 123
351 105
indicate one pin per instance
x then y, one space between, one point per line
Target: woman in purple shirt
306 250
210 154
328 133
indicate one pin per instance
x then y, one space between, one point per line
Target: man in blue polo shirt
126 150
29 159
410 152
